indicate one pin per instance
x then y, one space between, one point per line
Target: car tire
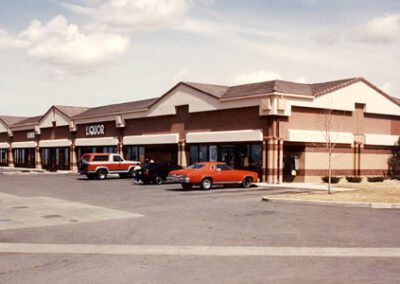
158 180
187 186
132 173
206 184
101 174
247 182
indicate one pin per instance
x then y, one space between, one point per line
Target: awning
225 136
4 145
55 143
27 144
151 139
295 135
104 141
381 140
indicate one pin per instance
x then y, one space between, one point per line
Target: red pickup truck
99 165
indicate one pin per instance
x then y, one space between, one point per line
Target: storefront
159 148
4 154
55 154
240 149
24 154
96 145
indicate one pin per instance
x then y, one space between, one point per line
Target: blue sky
95 52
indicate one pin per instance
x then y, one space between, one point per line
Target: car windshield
196 166
85 158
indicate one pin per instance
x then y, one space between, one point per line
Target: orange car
208 173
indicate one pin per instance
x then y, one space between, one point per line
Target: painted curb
334 203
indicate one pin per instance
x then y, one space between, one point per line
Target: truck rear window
100 158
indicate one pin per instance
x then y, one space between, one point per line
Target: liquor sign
94 130
30 135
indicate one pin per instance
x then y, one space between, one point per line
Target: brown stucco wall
221 120
21 136
356 122
4 137
50 133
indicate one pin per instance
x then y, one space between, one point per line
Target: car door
225 174
118 164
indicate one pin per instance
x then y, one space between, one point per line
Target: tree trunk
329 171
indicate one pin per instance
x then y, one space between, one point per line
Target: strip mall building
277 128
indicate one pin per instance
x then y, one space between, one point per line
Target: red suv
99 165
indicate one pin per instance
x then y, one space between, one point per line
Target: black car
153 173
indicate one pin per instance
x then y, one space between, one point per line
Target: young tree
331 123
394 162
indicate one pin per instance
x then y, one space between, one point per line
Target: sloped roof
279 86
28 121
116 108
9 120
214 90
397 100
71 111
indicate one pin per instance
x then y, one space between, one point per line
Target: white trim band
4 145
55 143
295 135
381 140
151 139
27 144
225 136
104 141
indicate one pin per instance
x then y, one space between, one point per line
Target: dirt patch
385 192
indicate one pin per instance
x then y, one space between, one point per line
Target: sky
98 52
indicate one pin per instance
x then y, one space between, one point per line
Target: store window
239 156
3 157
134 153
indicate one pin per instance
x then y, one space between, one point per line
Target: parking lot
65 228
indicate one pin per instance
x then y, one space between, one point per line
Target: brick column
38 158
182 158
274 149
264 161
10 157
73 165
280 161
271 161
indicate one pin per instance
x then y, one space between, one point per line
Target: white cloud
66 49
257 76
8 41
134 15
383 30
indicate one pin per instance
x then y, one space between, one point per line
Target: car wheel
247 182
101 174
90 176
158 180
187 186
206 184
132 173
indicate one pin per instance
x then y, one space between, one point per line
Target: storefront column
73 160
120 148
10 158
264 161
38 158
280 161
182 161
274 161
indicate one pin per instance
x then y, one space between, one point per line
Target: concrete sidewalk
301 186
14 171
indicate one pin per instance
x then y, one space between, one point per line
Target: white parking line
30 248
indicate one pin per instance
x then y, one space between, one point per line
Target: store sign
30 135
94 130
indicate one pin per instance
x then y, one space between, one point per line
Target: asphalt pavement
114 231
